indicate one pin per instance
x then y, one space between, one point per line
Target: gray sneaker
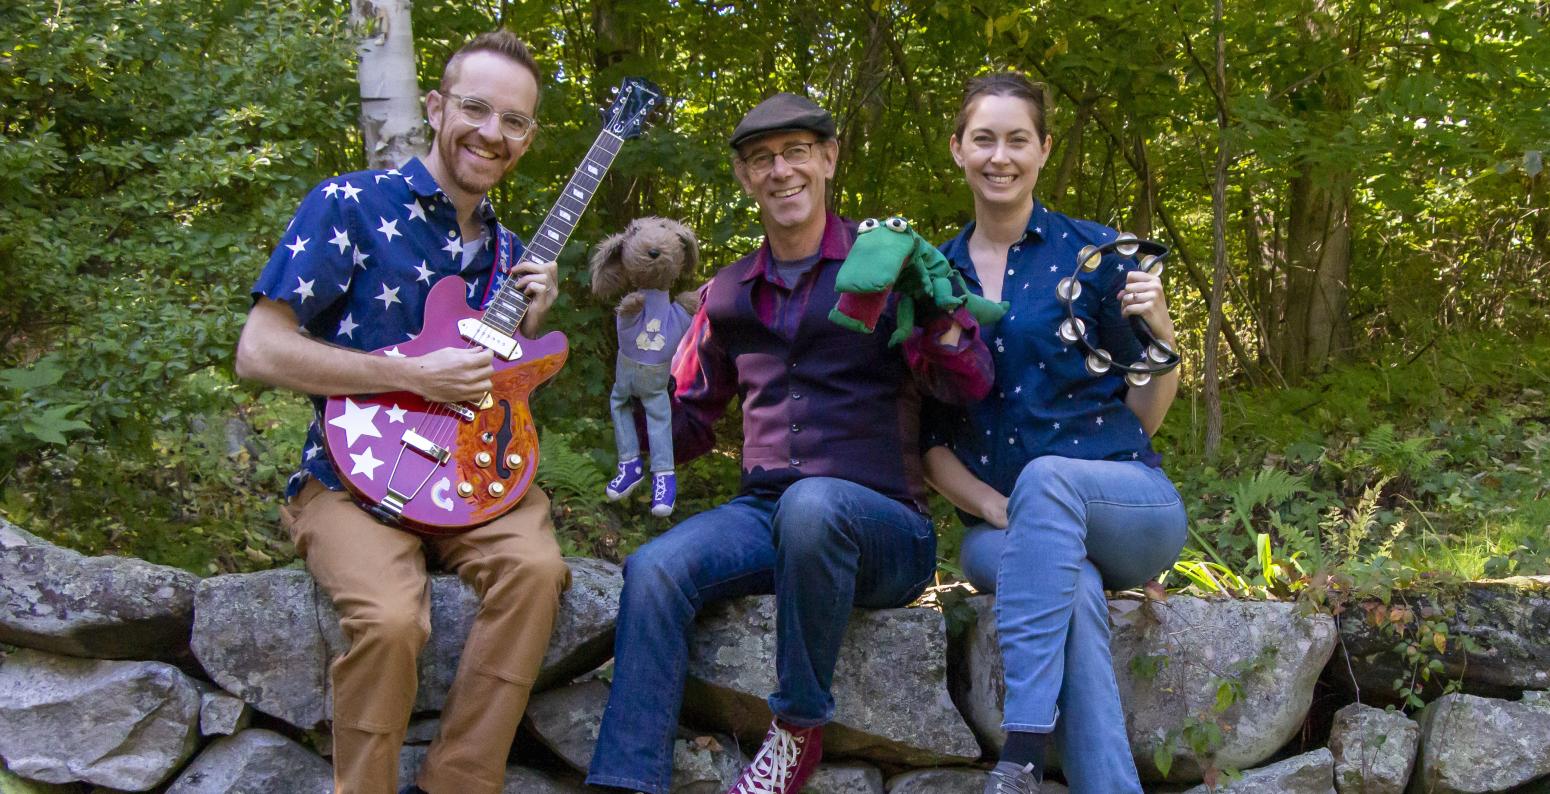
1009 778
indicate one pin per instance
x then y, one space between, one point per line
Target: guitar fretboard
508 305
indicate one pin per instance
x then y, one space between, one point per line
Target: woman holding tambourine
1054 472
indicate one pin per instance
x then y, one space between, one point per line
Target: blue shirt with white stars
1044 402
357 261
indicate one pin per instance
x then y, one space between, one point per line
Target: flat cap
780 113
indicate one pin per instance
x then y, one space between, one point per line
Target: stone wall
126 676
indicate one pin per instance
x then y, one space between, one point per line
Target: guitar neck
508 306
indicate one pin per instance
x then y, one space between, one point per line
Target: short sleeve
311 265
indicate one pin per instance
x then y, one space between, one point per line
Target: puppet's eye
898 224
867 225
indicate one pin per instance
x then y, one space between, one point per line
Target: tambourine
1159 356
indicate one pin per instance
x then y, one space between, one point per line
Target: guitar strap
506 246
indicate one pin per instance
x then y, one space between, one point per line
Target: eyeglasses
475 112
795 154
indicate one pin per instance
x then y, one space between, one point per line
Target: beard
464 176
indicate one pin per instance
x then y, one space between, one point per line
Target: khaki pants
377 580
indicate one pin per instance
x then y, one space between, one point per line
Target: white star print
452 248
416 212
1100 421
471 286
304 288
365 463
984 459
1038 230
312 451
1057 425
347 326
1064 235
351 192
1076 441
392 352
1053 268
381 177
356 422
330 189
299 245
345 287
1135 455
1041 365
360 258
396 414
342 239
389 229
425 272
393 171
388 297
1017 390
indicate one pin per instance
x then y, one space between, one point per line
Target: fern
1392 456
1266 488
563 470
1347 531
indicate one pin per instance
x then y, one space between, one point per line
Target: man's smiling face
790 197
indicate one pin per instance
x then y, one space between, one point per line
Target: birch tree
393 127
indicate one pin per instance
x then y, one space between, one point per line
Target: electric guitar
444 468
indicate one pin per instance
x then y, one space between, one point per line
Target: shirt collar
423 185
957 249
838 235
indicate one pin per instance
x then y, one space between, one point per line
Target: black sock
1024 748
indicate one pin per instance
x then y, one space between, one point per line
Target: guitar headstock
634 100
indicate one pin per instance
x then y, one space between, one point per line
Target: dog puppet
644 261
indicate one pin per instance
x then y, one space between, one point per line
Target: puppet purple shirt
651 336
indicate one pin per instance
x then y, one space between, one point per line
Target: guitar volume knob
465 489
514 460
483 460
497 489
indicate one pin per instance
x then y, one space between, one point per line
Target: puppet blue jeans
1075 528
649 384
824 546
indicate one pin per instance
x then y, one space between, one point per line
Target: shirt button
796 428
796 462
796 395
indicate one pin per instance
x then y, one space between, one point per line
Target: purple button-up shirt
818 400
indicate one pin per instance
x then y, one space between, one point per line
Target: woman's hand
1143 297
993 509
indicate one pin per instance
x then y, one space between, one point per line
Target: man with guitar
831 512
351 274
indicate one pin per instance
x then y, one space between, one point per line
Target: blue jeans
1075 527
647 383
825 546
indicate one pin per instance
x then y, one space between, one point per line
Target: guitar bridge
488 336
425 446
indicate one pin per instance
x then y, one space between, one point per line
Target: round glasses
795 154
475 112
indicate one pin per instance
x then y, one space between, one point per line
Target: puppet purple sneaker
630 474
664 492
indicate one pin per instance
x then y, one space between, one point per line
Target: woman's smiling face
1000 150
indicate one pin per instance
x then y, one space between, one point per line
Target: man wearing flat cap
832 510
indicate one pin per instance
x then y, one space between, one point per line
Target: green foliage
145 175
151 152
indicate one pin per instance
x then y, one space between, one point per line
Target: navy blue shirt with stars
357 261
1044 402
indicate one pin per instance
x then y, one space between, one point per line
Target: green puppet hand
890 257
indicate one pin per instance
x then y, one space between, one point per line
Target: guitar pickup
488 336
426 447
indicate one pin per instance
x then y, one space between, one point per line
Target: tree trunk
1146 193
615 37
1318 265
1213 388
392 118
1070 155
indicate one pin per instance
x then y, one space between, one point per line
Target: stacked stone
134 677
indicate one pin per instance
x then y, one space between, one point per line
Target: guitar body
450 468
